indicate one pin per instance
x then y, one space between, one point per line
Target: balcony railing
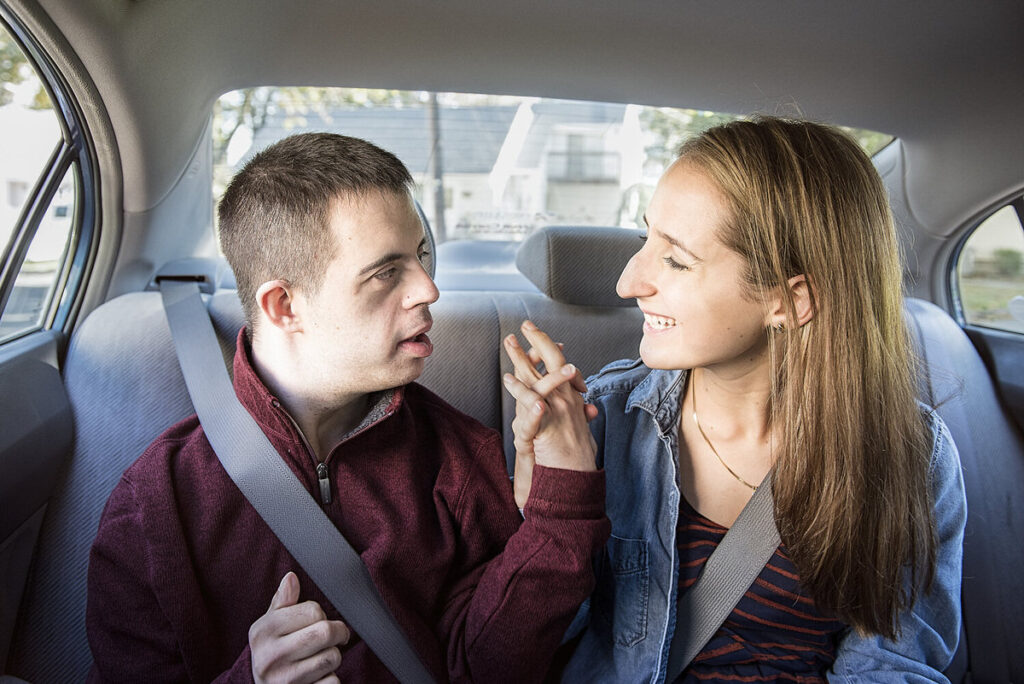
583 167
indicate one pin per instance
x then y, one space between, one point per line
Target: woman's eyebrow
677 244
671 240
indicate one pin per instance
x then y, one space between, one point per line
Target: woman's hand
550 426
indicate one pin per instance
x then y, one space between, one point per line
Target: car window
486 167
40 191
990 272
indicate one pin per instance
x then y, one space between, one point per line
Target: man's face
366 328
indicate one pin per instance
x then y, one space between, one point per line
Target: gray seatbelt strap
730 570
274 491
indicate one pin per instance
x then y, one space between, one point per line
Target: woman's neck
733 405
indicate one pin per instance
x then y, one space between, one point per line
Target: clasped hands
550 426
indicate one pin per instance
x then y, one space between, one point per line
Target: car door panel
35 439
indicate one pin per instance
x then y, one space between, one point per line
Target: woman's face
697 308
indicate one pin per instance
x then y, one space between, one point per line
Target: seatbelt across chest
730 570
274 491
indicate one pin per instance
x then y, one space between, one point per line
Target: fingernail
511 341
528 325
538 407
568 370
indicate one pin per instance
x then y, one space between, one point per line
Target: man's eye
675 265
386 274
423 255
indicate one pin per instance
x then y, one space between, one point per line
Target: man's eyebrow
388 258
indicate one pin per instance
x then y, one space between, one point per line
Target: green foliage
11 61
1008 262
870 141
16 70
250 107
673 127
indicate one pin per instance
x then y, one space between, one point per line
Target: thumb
287 593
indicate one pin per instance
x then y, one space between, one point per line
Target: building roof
471 137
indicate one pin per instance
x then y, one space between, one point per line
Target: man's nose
422 290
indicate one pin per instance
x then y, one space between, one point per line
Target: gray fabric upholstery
124 386
991 449
464 365
578 265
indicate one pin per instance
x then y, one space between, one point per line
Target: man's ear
276 300
802 296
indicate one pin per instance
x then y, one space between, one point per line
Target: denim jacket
628 622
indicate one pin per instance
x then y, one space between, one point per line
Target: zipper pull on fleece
325 483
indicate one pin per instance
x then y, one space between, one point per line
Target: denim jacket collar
660 394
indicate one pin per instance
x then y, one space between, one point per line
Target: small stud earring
778 327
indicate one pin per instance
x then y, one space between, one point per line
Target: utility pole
437 168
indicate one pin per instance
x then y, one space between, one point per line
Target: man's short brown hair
274 216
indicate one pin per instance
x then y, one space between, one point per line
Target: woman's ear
277 304
802 295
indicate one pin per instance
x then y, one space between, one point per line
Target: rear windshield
486 167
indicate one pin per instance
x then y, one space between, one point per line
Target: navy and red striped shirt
774 633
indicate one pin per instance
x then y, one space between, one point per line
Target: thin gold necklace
712 446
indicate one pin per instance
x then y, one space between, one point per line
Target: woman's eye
643 237
675 265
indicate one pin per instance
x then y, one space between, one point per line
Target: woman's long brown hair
852 501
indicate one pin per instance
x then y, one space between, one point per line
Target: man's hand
295 642
550 426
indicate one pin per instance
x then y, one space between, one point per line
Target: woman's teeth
658 321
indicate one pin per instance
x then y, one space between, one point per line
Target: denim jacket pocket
621 597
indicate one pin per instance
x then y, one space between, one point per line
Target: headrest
430 262
578 264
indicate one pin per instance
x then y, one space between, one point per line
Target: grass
985 302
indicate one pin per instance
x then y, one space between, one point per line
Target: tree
15 70
1008 262
672 127
250 109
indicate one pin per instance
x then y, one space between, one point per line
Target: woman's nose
632 282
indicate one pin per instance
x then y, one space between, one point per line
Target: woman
773 341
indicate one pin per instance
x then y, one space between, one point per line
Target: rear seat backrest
125 387
991 448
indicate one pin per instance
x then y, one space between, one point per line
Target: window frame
72 152
1016 202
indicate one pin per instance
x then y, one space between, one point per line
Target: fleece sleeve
507 609
129 633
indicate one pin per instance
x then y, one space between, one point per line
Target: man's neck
322 420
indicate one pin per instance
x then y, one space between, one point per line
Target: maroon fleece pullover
182 564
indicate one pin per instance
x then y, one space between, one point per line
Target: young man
326 246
